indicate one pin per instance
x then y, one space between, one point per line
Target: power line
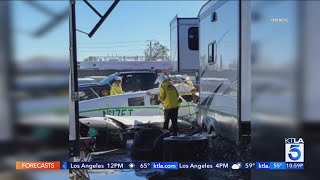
120 42
101 47
115 50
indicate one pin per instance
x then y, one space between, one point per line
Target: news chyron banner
159 165
133 165
294 160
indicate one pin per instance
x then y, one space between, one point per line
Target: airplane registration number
118 112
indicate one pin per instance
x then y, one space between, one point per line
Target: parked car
97 78
131 81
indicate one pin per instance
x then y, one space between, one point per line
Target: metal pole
7 105
104 17
73 85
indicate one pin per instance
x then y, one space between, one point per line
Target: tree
158 51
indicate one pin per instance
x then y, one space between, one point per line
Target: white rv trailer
184 45
224 54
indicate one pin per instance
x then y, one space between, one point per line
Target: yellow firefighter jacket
115 89
168 96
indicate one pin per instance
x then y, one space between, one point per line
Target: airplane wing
99 123
136 120
115 122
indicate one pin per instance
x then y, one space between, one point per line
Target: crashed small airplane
142 103
133 109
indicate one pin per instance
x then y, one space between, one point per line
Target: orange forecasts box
37 165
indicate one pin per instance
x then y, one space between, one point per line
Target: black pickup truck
131 81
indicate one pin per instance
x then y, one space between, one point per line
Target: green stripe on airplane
132 108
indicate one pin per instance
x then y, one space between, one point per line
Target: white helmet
185 77
118 78
161 79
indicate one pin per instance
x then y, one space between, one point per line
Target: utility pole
74 125
150 50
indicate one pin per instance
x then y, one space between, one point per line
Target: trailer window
136 101
212 49
193 38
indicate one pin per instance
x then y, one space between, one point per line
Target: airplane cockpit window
131 82
136 101
129 79
136 82
126 81
154 100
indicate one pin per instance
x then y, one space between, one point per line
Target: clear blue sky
130 21
135 21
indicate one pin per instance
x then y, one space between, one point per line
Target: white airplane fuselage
130 104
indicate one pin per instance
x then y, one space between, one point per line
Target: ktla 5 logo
294 150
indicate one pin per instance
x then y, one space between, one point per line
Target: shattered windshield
108 79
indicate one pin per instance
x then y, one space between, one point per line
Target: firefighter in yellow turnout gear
189 96
116 88
186 80
169 97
